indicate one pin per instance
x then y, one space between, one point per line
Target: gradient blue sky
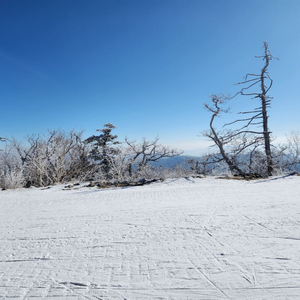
145 66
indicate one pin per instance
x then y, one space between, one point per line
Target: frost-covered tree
222 139
203 165
294 149
11 169
233 143
57 156
146 152
257 86
287 156
103 150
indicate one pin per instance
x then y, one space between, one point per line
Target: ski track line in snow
200 239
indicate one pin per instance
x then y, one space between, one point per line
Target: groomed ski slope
179 239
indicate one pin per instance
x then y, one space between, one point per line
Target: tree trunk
264 103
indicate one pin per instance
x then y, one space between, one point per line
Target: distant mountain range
170 162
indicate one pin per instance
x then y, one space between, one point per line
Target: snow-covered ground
180 239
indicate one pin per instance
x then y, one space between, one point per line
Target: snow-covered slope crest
180 239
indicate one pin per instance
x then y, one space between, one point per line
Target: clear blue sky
145 66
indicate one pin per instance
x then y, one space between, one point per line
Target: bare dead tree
148 151
258 116
221 139
237 148
253 133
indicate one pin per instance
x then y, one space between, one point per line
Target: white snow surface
179 239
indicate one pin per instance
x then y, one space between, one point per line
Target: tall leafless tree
259 116
246 136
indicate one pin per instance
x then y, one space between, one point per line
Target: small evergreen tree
103 151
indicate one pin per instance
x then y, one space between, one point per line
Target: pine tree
103 151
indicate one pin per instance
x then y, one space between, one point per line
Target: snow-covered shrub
56 157
11 170
12 179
